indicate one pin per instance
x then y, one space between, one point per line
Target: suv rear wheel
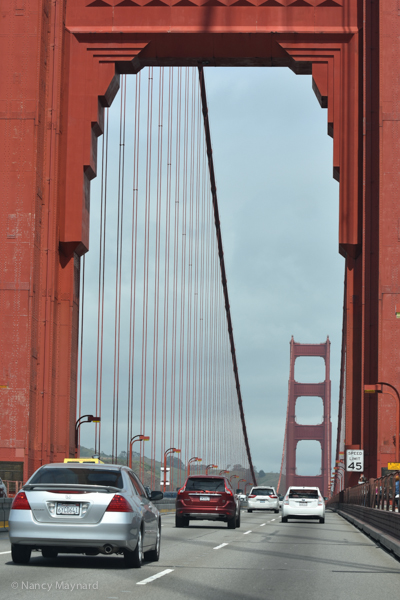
238 520
232 523
181 521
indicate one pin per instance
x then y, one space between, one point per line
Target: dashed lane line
220 546
8 552
246 532
149 579
262 525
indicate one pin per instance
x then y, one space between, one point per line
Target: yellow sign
394 466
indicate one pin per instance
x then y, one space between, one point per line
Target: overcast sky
279 218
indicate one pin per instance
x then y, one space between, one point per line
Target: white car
262 498
303 502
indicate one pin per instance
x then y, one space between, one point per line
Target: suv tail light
272 496
228 491
119 504
252 496
181 490
20 502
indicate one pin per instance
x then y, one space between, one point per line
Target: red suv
208 498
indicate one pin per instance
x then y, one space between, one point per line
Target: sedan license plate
261 500
303 503
204 497
67 509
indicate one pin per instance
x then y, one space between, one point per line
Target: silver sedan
87 509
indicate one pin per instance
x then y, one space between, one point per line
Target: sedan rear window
303 494
263 492
205 485
75 476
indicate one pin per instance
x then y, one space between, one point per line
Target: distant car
207 497
262 498
303 502
241 496
280 500
3 489
86 509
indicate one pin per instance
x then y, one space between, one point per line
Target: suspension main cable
222 265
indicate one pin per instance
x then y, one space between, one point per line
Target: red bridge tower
322 432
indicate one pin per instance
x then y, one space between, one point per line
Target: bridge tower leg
322 432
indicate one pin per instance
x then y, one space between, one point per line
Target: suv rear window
79 476
303 494
263 491
205 485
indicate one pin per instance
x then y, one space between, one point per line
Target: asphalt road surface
263 559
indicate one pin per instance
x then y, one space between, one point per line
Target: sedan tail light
20 502
119 504
320 501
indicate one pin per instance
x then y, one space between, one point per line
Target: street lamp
248 483
233 477
224 471
169 451
371 389
90 419
211 467
136 438
191 460
240 481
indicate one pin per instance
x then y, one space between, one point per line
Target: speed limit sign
355 460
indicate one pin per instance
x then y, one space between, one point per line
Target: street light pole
169 451
90 419
136 438
211 467
224 471
194 459
371 389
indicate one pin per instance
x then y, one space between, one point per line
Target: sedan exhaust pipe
108 549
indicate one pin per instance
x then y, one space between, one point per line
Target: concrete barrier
382 526
5 505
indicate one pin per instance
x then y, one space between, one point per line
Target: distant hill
179 468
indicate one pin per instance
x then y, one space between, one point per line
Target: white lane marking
8 552
246 532
272 520
149 579
262 525
220 546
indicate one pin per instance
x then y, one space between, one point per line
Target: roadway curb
387 541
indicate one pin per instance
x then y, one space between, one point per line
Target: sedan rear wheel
284 519
249 510
20 554
322 520
134 559
154 555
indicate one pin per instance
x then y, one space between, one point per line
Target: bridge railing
381 493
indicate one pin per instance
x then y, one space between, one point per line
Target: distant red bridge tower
295 432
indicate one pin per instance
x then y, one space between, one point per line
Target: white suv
262 498
303 502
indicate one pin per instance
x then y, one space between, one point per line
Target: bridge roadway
263 559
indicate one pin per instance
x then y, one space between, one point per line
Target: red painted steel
61 63
321 433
